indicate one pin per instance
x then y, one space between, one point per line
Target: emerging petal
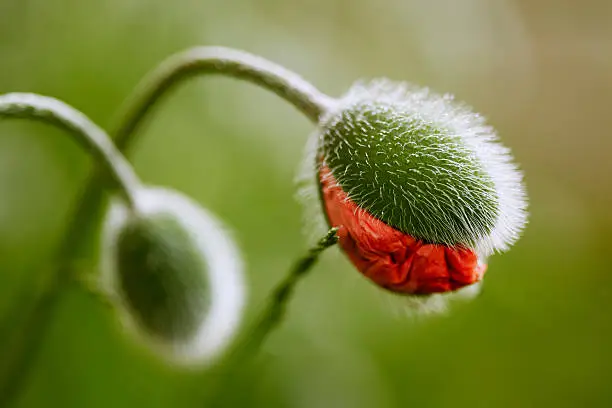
390 258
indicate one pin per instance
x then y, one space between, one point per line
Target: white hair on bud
224 266
417 306
478 137
481 139
307 180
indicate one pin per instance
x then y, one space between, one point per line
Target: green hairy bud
423 164
175 274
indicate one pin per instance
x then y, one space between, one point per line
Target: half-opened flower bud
418 184
175 273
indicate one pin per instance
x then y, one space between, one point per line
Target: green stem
276 309
87 134
241 65
217 60
172 71
271 317
22 346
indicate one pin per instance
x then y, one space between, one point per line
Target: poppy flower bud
175 273
419 185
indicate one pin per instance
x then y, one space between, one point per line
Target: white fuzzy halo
224 266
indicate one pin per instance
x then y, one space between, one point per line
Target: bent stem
93 139
276 309
218 60
171 72
241 65
20 349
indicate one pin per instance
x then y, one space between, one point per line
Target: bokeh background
539 335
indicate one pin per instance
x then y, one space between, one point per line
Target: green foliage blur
540 333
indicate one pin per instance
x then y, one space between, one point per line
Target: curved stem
23 345
169 74
172 71
217 60
88 134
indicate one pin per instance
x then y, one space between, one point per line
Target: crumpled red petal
390 258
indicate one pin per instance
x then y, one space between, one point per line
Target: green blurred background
541 71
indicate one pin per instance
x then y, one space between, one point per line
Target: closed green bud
175 273
160 274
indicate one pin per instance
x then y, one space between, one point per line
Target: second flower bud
176 274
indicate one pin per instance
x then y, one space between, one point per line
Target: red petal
390 258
